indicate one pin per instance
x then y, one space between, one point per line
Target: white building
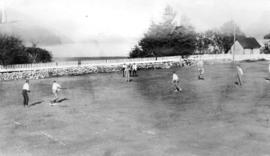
244 46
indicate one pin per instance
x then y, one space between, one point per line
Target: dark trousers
25 97
134 72
123 69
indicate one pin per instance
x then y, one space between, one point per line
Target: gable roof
249 43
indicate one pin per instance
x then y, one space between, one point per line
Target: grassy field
106 116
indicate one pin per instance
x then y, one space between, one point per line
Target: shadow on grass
61 100
36 103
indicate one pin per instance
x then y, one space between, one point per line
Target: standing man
55 89
25 92
240 73
201 70
175 81
123 69
134 69
127 73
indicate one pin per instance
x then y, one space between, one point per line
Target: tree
203 43
37 55
267 36
228 29
12 51
165 27
166 38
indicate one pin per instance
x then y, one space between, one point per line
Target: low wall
143 63
82 70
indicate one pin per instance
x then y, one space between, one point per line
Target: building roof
249 43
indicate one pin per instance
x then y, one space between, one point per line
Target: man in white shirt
55 89
175 81
123 69
240 73
25 91
134 69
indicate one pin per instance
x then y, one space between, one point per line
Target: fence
37 66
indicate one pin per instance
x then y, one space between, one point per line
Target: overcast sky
129 19
132 17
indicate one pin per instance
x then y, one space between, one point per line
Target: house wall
239 50
252 51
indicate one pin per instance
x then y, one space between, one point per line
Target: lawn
106 116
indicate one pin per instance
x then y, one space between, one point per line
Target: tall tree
12 51
228 28
165 27
166 38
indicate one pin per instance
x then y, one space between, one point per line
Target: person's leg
175 86
27 98
201 76
179 89
128 76
24 98
239 79
55 97
123 70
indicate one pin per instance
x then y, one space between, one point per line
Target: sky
129 19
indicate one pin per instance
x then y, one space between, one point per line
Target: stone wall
82 70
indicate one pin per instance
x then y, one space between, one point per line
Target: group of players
200 66
130 70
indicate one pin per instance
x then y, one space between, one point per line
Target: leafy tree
203 43
165 27
37 55
267 36
12 51
228 29
166 38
